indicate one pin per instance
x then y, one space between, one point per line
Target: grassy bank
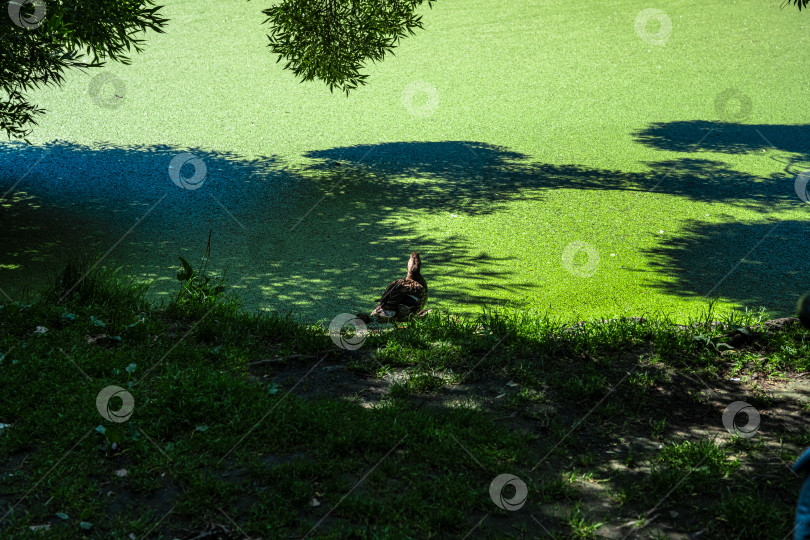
258 425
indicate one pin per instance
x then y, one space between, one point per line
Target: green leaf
61 515
187 271
130 368
86 525
97 322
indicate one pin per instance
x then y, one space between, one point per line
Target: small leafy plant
199 289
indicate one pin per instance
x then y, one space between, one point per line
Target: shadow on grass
599 437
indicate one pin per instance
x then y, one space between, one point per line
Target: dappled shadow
574 435
728 138
62 198
316 238
479 178
282 248
758 264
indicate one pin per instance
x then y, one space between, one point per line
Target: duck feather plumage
403 298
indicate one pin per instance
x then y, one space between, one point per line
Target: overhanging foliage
331 39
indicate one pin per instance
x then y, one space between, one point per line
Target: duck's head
414 264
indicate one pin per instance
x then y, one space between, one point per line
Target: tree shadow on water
760 264
480 178
62 197
730 138
287 246
316 239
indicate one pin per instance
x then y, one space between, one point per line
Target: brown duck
402 299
